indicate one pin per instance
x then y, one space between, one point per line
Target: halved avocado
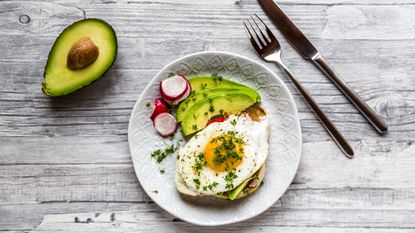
81 54
195 97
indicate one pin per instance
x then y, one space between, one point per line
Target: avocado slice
81 54
199 114
243 189
195 97
236 191
210 82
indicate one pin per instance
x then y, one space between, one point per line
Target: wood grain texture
65 160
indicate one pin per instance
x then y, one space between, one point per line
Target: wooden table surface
65 164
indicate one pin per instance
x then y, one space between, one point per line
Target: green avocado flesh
240 189
212 96
196 97
212 82
199 114
58 78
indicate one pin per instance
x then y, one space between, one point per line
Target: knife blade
301 43
289 29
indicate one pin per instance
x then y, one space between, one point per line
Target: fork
269 49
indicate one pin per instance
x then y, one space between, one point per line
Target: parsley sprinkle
211 108
148 105
233 122
200 162
160 155
229 179
194 126
162 171
197 182
210 186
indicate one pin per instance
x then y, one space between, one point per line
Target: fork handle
376 121
327 123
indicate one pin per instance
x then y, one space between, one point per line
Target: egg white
255 135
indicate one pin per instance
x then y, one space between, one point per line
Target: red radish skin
173 88
216 119
188 91
165 124
160 106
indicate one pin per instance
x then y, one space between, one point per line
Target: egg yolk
225 152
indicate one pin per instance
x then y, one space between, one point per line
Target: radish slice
188 91
160 106
165 124
173 88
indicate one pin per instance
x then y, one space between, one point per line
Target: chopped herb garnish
221 112
233 122
194 126
155 191
160 155
216 77
197 182
228 150
203 86
162 171
229 179
210 186
148 104
211 108
200 162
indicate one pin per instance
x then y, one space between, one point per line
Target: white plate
284 151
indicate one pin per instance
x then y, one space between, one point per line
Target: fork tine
256 35
265 39
270 34
251 38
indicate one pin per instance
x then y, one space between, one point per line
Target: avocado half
60 76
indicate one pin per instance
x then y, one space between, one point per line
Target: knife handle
376 121
324 119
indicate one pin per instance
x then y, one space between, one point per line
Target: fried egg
222 156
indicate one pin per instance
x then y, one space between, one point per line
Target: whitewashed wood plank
146 216
380 176
272 219
369 22
18 17
317 21
220 3
25 217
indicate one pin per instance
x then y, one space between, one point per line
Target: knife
299 41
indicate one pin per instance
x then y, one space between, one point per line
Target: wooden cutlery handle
377 122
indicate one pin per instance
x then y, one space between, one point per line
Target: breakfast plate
158 179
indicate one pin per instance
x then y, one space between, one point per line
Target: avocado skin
52 51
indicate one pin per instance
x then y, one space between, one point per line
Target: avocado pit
82 54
